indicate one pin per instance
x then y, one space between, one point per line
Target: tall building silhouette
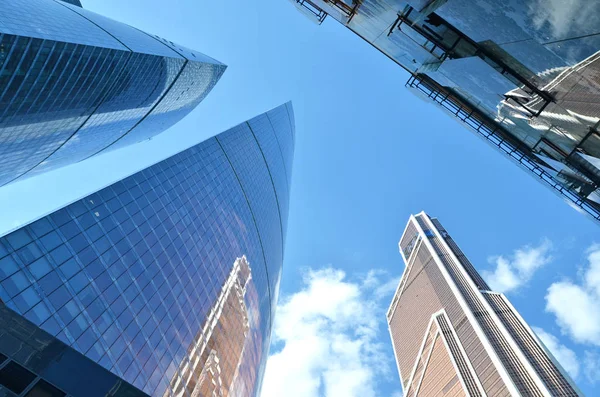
168 278
452 336
523 75
74 84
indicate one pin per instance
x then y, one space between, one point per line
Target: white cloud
564 16
329 332
576 305
514 272
565 356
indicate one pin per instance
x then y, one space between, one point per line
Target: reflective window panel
168 278
68 94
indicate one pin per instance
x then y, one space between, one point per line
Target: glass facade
494 352
171 275
35 364
74 2
524 74
68 94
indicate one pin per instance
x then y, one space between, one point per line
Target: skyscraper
36 364
452 336
167 278
522 74
67 94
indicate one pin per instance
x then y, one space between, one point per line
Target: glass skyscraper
522 73
452 336
168 278
36 364
74 84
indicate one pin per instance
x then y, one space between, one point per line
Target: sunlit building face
452 336
168 278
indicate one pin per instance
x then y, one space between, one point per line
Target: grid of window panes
68 94
127 275
35 364
192 84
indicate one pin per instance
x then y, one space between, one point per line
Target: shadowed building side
35 364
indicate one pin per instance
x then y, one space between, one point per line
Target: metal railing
495 135
312 10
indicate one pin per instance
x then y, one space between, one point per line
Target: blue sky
368 154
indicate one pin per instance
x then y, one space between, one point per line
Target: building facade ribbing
168 278
74 84
453 336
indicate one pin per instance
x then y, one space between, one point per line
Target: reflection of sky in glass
68 94
129 275
529 65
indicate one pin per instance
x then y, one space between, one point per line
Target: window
15 284
41 227
19 239
60 254
3 251
51 241
40 268
15 377
29 253
8 266
44 389
26 300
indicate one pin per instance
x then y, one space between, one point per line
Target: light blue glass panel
135 40
189 89
128 102
46 19
131 275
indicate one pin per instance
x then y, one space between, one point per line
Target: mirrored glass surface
172 274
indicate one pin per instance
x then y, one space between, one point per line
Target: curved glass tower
68 94
168 278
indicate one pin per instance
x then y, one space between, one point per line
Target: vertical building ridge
494 351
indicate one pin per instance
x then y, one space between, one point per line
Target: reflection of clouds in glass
564 17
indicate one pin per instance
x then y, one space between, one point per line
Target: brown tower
454 337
